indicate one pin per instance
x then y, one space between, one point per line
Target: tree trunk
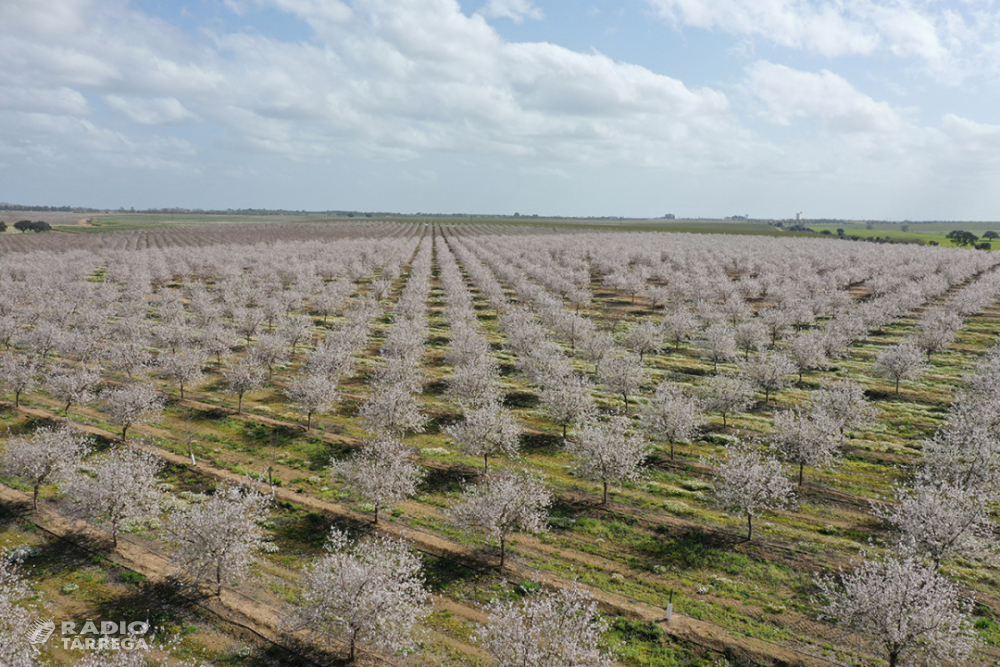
239 405
801 467
376 514
17 399
486 463
897 386
749 527
309 419
625 396
604 500
34 499
182 390
671 450
503 550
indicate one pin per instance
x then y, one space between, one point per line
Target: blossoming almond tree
42 456
215 537
369 593
546 629
501 504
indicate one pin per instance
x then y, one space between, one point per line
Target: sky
855 109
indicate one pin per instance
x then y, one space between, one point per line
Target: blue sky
882 109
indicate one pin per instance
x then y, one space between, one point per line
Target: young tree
370 594
18 374
644 337
750 335
805 439
596 349
678 326
623 375
937 329
672 414
939 520
381 472
487 431
131 404
606 452
843 403
216 537
244 375
476 384
43 456
546 629
184 367
503 503
905 609
312 394
719 344
726 394
807 352
750 482
901 362
73 387
16 620
569 400
117 489
392 410
768 372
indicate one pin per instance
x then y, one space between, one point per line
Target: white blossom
546 629
215 537
369 594
503 503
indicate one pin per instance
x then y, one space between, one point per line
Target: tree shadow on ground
541 443
446 480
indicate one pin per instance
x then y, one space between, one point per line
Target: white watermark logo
92 636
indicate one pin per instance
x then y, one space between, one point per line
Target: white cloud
515 10
789 94
953 40
150 111
385 80
43 100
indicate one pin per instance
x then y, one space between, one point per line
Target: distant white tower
798 216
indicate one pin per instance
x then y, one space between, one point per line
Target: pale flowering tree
749 482
16 620
719 344
678 326
644 337
939 520
131 404
901 362
116 489
73 387
807 352
392 410
184 367
487 431
381 472
370 593
726 394
569 400
805 439
750 335
315 393
622 374
43 456
244 375
606 452
216 537
903 610
476 383
844 404
501 504
768 371
672 414
18 374
547 629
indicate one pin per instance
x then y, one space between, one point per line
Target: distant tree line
27 225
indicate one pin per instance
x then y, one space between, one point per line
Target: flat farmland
274 354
